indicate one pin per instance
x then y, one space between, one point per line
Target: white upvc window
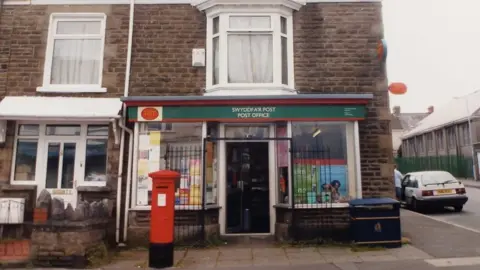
74 55
250 51
51 153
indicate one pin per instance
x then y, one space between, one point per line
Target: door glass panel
246 132
96 160
68 166
52 165
63 130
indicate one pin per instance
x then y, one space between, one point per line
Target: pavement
439 240
435 244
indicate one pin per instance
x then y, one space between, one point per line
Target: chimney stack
431 109
396 110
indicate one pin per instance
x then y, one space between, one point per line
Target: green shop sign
239 113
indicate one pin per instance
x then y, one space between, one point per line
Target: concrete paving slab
270 261
268 252
346 266
234 263
341 258
299 262
378 258
235 254
334 250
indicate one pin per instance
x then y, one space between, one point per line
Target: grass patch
406 241
98 256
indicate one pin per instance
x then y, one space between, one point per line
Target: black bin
376 222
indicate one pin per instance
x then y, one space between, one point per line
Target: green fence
457 165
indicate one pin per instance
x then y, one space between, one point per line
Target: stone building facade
329 59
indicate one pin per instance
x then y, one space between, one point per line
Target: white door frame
70 198
272 175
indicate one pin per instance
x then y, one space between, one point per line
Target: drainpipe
129 178
125 129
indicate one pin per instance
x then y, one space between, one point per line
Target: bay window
249 50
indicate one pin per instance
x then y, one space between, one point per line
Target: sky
434 48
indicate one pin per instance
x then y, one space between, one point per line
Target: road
468 218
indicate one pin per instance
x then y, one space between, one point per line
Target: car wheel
458 208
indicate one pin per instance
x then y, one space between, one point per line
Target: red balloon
397 88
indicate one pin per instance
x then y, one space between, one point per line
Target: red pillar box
162 219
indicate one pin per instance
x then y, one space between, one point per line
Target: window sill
93 189
249 90
18 187
72 89
177 207
314 206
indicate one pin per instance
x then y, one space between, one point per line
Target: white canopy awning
59 108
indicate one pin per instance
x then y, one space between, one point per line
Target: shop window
26 153
178 149
323 165
282 146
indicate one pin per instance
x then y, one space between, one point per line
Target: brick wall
335 53
164 37
23 41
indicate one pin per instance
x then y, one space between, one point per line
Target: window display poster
282 147
306 179
154 138
333 183
320 184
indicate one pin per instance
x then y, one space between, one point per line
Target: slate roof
406 121
455 111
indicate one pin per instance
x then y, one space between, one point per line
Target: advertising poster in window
320 183
144 183
333 183
282 148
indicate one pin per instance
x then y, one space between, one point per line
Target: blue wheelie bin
375 222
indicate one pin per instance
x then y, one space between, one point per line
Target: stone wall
70 237
314 224
68 243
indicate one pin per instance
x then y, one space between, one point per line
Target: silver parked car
433 189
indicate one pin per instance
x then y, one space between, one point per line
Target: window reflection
53 160
250 132
25 160
63 130
96 160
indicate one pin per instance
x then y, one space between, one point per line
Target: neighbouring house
442 138
402 123
263 106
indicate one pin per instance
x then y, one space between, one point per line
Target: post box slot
162 187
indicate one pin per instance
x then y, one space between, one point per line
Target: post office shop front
246 162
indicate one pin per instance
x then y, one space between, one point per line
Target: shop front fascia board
246 109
